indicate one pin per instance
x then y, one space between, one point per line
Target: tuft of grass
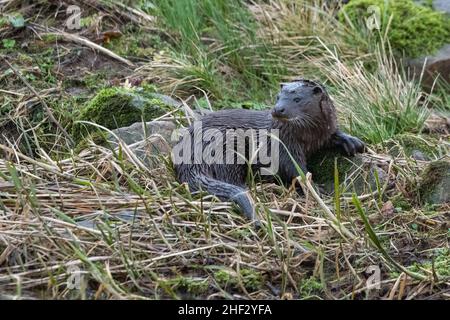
216 47
378 105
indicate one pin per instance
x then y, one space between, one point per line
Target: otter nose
279 111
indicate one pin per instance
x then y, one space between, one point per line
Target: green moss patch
401 203
118 107
438 264
355 175
321 165
193 286
134 43
415 30
310 287
251 279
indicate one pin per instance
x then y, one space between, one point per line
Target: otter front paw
350 144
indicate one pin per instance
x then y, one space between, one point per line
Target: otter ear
317 90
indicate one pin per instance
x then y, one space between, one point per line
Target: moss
251 279
117 107
310 287
435 183
400 202
8 44
410 143
241 233
414 30
223 277
191 285
89 21
321 165
3 22
49 38
24 59
441 264
355 175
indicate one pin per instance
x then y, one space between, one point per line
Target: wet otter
305 119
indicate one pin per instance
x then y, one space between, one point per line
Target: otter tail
227 191
224 191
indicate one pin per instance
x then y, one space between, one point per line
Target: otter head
304 102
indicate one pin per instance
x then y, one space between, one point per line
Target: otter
305 118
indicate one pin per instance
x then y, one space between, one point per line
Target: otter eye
297 100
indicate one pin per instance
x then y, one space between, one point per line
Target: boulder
415 146
434 187
438 63
442 5
141 131
118 107
148 140
433 65
356 174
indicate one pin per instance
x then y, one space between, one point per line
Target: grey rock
442 5
435 183
139 131
418 155
148 140
362 178
167 100
438 5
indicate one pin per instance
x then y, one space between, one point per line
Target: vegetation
412 29
81 219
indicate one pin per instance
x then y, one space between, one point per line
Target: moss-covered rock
117 107
355 174
415 30
322 163
434 185
414 146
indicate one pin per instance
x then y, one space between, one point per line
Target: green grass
375 105
215 46
440 98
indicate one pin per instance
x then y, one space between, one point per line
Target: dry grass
132 233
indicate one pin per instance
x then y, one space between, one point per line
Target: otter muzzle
279 112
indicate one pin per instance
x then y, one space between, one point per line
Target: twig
89 43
